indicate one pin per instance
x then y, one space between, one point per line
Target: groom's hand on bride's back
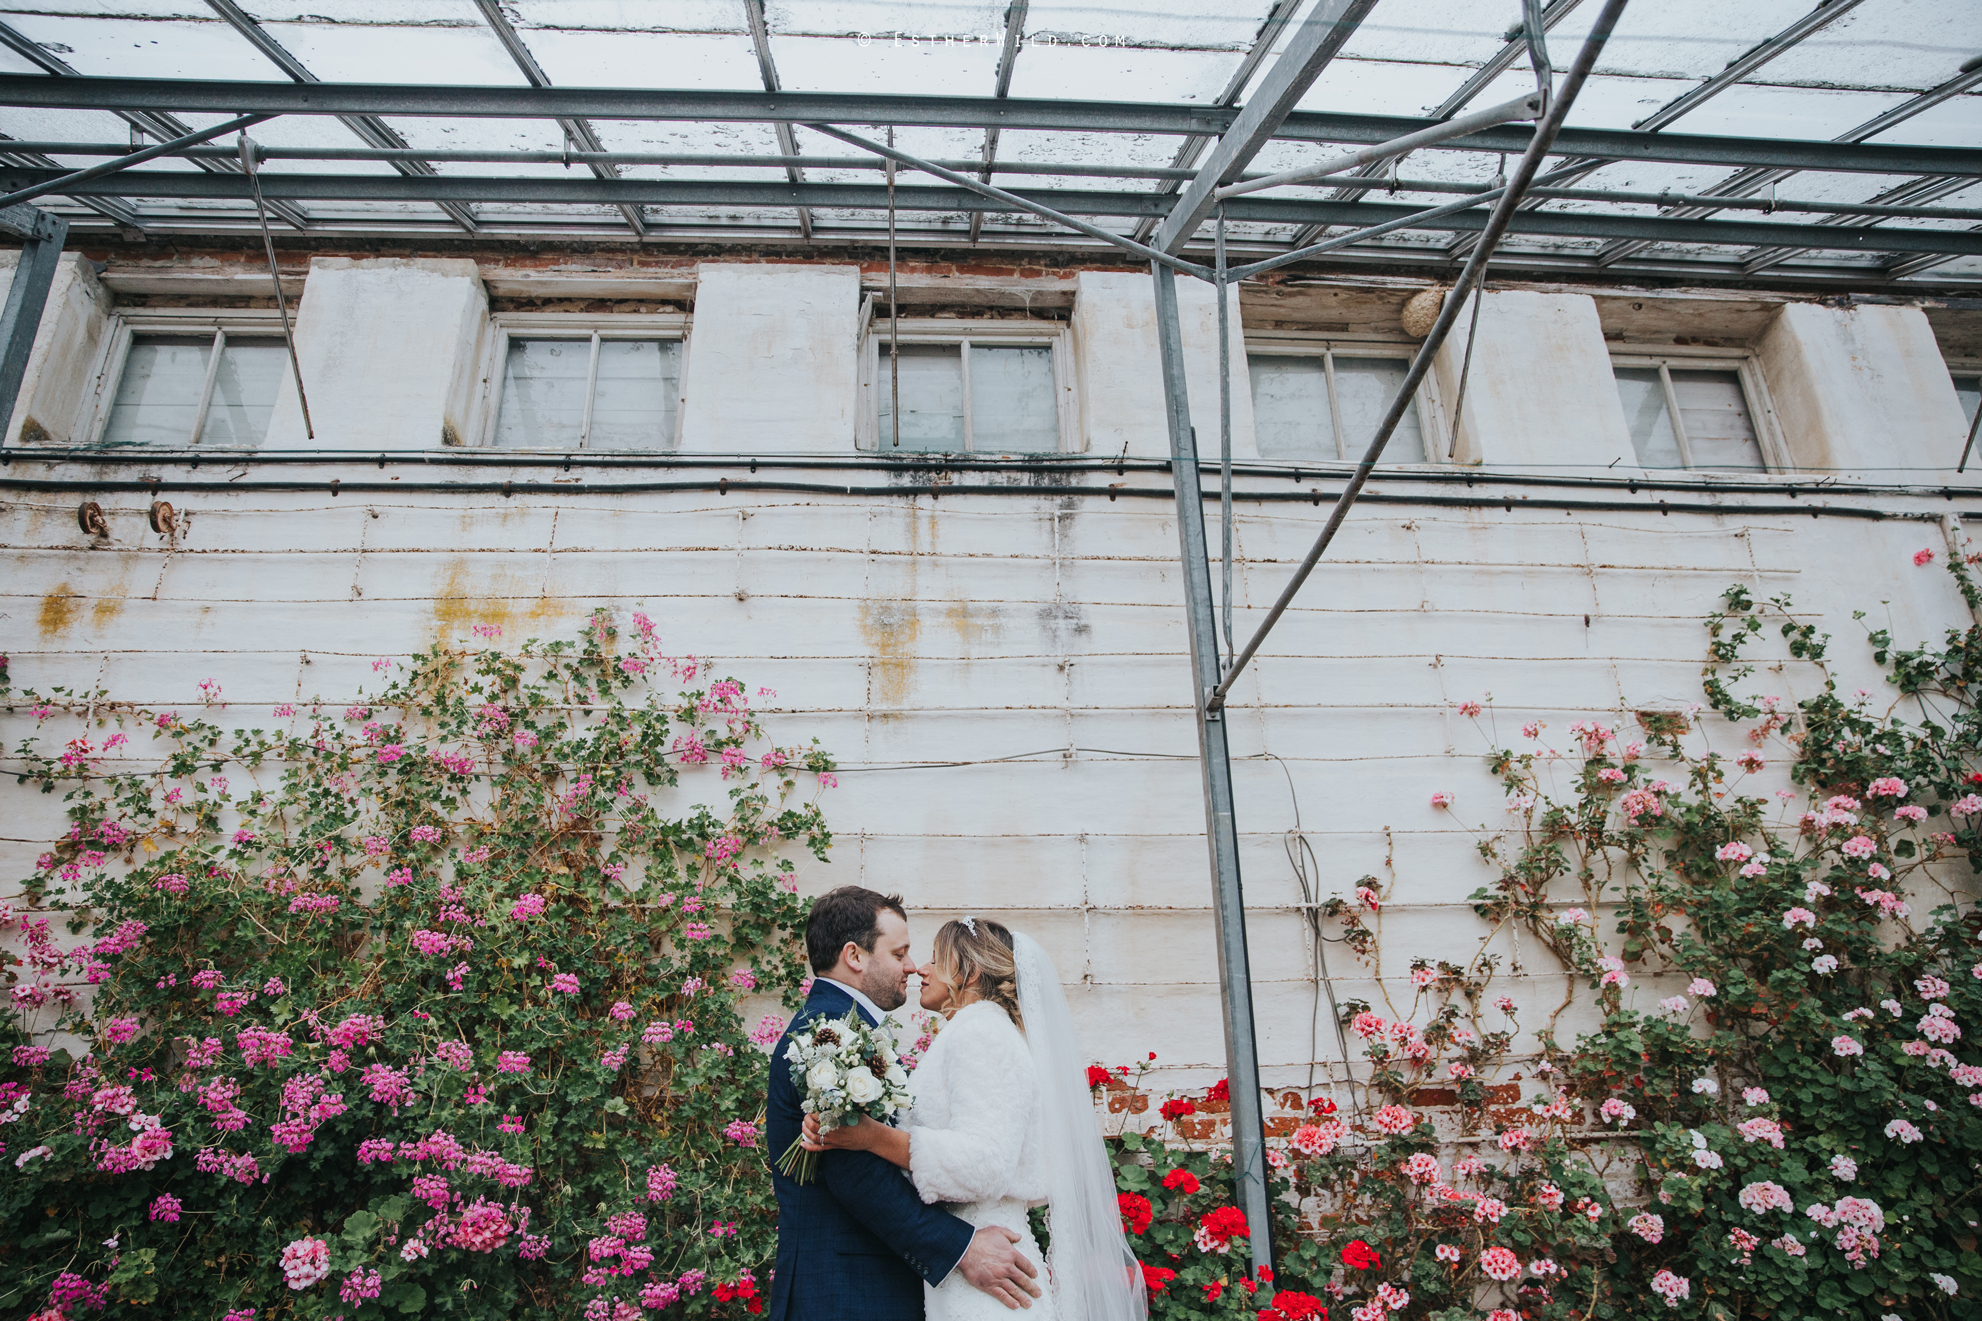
994 1265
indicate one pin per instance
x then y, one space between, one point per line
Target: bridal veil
1095 1277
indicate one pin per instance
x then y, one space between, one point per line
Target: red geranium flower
1221 1226
1360 1256
1181 1181
1220 1090
1096 1076
1212 1290
1156 1278
1321 1105
1291 1306
1136 1212
1174 1110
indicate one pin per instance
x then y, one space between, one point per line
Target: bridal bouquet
846 1069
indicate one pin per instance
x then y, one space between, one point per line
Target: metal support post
20 317
1228 898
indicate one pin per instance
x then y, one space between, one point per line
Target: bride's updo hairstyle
982 949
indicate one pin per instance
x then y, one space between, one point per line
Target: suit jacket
856 1242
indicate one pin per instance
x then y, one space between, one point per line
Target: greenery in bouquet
448 1001
847 1069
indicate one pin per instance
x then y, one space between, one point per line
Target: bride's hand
848 1137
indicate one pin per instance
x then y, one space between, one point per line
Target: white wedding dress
975 1147
1002 1121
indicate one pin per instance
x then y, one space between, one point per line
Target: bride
1002 1121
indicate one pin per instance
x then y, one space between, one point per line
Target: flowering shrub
1790 1131
427 1005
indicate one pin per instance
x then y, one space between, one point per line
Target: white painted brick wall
912 642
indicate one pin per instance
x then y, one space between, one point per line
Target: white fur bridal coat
974 1125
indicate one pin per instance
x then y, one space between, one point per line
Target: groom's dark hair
848 913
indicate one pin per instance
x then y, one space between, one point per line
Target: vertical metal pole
1224 442
1228 900
41 250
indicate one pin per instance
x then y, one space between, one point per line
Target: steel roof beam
1878 207
575 129
1193 147
15 152
1750 181
144 95
1087 202
767 69
1899 270
165 127
1015 13
1781 43
1906 194
1319 39
367 128
1512 49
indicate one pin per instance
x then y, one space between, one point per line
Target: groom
857 1242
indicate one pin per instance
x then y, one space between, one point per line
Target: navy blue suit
856 1242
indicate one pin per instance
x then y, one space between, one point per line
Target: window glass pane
1645 417
158 395
1364 388
932 399
1012 404
1715 416
634 404
244 389
1968 389
543 393
1290 408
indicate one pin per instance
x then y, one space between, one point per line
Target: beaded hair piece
970 924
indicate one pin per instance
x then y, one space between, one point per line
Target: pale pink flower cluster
1903 1131
305 1262
660 1183
512 1061
1500 1263
1318 1139
1675 1289
1765 1196
1647 1226
1394 1119
1761 1130
1616 1111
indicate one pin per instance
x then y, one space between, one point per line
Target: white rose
896 1076
862 1086
822 1076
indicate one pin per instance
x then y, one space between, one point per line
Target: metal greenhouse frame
1207 186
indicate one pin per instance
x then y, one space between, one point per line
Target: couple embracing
930 1217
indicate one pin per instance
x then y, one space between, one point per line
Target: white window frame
134 322
1432 422
1754 392
579 326
964 333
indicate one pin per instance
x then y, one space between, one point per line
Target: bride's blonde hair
978 947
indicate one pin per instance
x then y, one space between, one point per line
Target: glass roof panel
146 48
1112 73
531 16
397 53
589 57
